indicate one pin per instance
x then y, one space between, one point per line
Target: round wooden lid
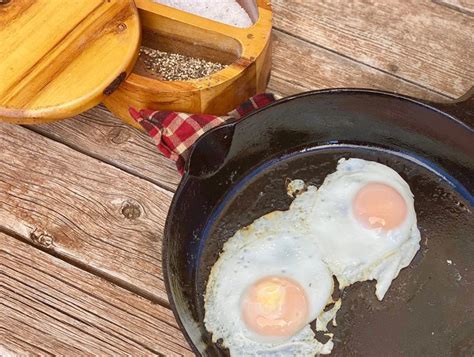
59 58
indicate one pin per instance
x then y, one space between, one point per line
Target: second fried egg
363 221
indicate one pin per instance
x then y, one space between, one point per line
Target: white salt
225 11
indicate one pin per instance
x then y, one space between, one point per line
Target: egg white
270 246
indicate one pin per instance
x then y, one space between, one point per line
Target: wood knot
119 135
42 238
131 210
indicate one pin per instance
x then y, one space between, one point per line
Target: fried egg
275 276
268 284
363 221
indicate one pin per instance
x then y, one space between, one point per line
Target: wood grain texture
245 50
59 57
83 210
464 6
418 41
49 307
99 134
310 67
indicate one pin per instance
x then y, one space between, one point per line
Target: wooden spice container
246 51
59 58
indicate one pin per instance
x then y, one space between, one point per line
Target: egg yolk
275 306
377 205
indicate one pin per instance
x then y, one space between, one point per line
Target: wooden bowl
246 51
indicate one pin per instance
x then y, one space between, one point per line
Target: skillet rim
187 176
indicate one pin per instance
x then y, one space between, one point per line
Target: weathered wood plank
419 41
51 307
309 67
464 6
83 209
99 134
18 347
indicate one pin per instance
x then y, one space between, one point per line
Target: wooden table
83 201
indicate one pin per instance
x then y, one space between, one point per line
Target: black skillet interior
238 173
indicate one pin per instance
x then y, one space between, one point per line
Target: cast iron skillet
237 173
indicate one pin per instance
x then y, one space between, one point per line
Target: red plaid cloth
174 133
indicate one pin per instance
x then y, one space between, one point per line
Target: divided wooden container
94 59
246 50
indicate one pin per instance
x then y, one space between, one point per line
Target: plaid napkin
174 133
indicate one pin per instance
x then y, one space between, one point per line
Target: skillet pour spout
237 172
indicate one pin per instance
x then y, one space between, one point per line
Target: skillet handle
461 108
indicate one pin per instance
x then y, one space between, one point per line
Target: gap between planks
119 133
61 200
463 6
89 269
58 308
417 40
362 63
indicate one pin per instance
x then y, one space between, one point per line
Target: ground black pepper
176 67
